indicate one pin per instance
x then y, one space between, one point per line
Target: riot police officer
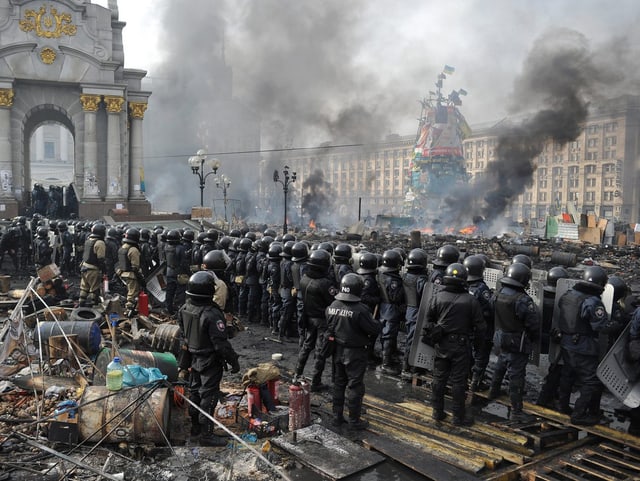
582 318
342 261
445 255
517 327
205 332
93 266
129 268
391 308
352 326
413 282
454 317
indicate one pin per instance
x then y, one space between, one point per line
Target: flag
448 69
142 179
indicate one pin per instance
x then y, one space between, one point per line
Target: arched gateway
63 61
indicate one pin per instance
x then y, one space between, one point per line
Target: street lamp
223 182
288 179
197 168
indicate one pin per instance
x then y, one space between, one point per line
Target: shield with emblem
422 355
619 373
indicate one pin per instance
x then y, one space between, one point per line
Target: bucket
5 284
165 361
89 335
147 422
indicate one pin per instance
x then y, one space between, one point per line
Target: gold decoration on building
6 97
48 25
48 55
90 103
137 109
114 104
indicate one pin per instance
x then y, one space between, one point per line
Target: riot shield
562 286
422 355
619 374
491 277
157 282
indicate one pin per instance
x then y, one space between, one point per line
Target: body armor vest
570 322
507 319
295 273
124 264
170 256
89 255
196 330
410 286
285 274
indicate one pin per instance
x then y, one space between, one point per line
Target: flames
312 224
469 230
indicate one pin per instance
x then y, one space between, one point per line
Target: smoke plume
317 198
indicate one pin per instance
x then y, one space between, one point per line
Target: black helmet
145 234
456 273
215 260
595 275
286 249
326 246
553 276
518 275
132 236
475 267
270 233
42 232
173 236
402 252
62 226
266 241
367 263
235 245
620 287
417 259
274 251
445 255
319 258
391 261
351 287
99 231
235 233
299 252
225 242
522 259
288 237
245 244
212 236
187 235
202 285
251 235
342 252
112 233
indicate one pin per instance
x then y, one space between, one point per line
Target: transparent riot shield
422 355
619 374
491 277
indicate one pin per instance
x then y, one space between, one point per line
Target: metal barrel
165 361
568 259
142 422
89 335
531 251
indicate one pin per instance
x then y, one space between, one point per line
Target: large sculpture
63 61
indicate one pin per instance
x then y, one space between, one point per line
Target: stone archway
64 61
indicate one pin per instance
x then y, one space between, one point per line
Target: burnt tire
86 314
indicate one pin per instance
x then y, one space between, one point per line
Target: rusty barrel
143 422
560 258
416 239
165 361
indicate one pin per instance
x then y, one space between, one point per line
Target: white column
114 157
39 153
90 105
136 166
6 165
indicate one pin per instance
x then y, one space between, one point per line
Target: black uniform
453 319
482 292
353 327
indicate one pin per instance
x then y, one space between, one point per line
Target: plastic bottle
114 375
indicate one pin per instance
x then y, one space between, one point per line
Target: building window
542 184
592 129
609 168
591 182
590 196
608 195
590 169
592 143
591 156
542 173
557 183
542 196
528 196
610 126
557 171
479 144
575 145
479 165
574 182
573 196
609 141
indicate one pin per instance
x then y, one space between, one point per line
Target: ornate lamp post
223 182
197 163
288 179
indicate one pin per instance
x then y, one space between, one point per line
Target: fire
312 224
470 229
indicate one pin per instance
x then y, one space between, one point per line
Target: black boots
210 439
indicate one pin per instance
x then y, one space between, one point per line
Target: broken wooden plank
420 461
326 452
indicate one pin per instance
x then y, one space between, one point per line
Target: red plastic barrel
143 304
299 406
253 401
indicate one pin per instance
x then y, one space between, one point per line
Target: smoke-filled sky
344 72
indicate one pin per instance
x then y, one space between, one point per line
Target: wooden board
327 452
416 459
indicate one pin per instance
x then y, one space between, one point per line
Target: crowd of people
347 306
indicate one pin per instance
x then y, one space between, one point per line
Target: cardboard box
592 235
636 238
591 221
48 272
621 240
227 413
201 213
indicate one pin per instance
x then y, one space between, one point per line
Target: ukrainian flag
141 179
448 69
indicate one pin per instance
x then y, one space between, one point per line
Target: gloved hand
183 374
235 365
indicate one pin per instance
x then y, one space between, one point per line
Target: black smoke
317 197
